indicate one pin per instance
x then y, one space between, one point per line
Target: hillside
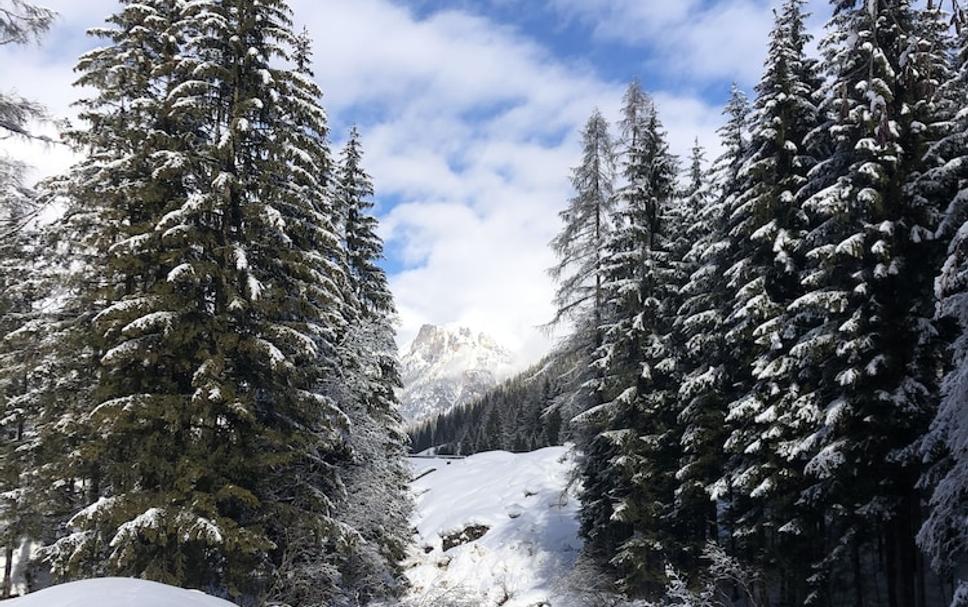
519 414
492 529
495 528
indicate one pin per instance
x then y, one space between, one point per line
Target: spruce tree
943 536
871 259
766 225
377 473
627 516
206 453
706 368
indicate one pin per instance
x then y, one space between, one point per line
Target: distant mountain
444 368
522 413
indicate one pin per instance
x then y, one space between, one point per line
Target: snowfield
116 592
522 513
508 522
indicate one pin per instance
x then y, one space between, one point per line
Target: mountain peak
446 367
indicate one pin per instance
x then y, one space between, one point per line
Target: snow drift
508 521
116 592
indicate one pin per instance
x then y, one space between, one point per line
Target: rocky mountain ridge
444 368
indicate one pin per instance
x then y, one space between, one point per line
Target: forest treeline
765 369
774 347
767 360
518 415
198 367
775 350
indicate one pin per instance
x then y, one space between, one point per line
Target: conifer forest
755 390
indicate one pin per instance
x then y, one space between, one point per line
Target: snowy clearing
521 512
116 592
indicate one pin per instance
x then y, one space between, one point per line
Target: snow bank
116 592
531 537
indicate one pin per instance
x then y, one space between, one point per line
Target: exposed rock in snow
116 592
524 503
445 368
470 533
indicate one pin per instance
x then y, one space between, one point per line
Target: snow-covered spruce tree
580 248
129 503
943 536
766 225
699 329
377 474
628 470
208 457
871 259
694 510
695 197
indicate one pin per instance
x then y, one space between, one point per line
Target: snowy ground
509 522
116 592
531 539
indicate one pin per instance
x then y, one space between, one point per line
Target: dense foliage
205 395
767 348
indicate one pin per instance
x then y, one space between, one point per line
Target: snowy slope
531 538
444 368
116 592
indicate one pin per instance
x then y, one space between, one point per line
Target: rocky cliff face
444 368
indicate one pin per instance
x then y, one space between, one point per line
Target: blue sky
469 112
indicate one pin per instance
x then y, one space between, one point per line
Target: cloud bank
470 129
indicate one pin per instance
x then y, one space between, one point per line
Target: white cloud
44 72
469 126
697 40
476 132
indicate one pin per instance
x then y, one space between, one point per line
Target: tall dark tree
706 368
766 227
205 459
628 471
943 536
868 285
580 247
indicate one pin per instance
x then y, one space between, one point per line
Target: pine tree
627 517
580 248
870 264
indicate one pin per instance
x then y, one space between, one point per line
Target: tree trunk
890 561
7 572
907 551
858 573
